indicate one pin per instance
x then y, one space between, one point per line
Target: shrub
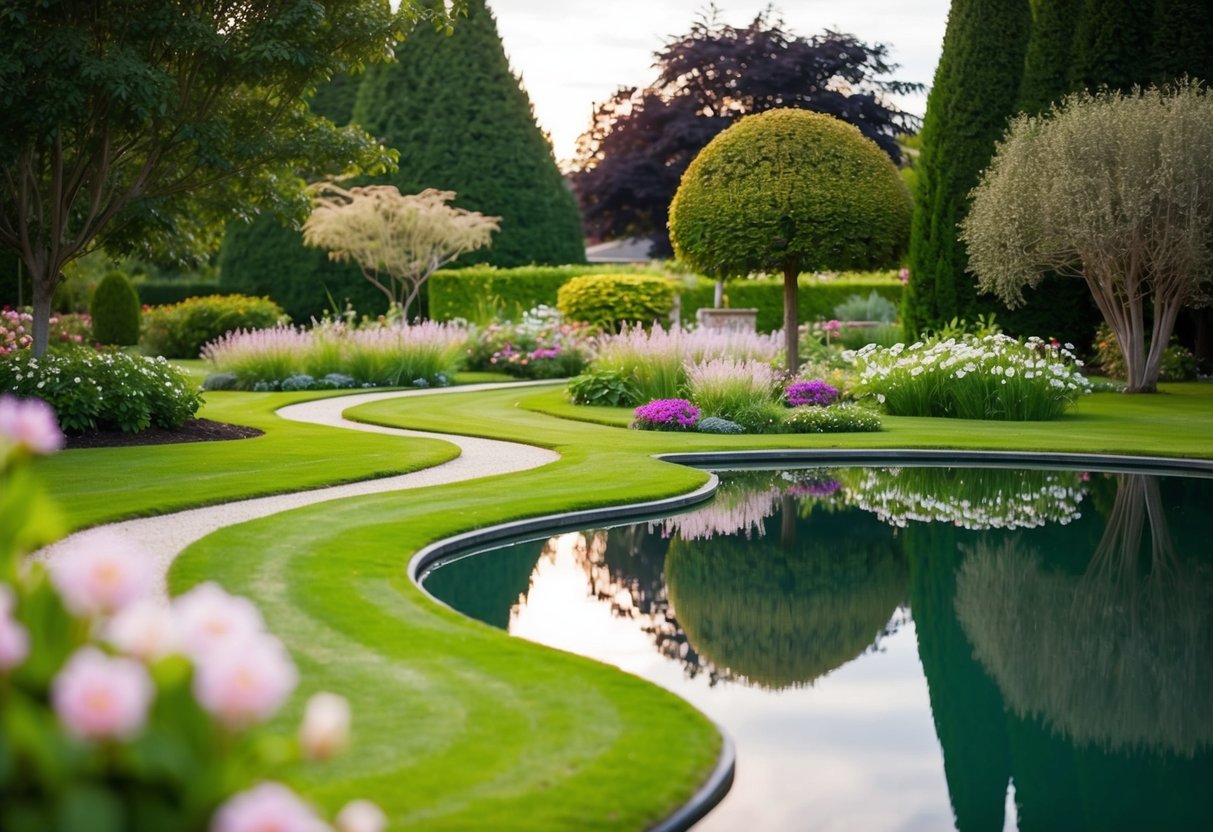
814 392
995 377
875 307
115 311
17 330
666 414
761 416
714 424
609 300
606 388
103 390
540 345
181 330
164 292
731 389
854 337
836 418
1177 363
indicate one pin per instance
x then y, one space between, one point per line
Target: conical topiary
115 311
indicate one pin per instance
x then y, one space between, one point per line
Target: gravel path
166 536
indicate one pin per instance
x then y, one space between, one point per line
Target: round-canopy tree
1116 189
790 191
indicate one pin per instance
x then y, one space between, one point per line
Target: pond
913 648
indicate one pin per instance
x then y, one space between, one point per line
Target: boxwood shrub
610 300
180 330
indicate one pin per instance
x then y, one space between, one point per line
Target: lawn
457 725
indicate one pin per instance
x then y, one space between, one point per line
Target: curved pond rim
718 783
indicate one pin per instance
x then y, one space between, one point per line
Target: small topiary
714 424
610 300
115 311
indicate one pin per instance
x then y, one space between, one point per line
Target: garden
230 497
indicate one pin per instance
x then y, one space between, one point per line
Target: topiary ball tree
790 191
115 311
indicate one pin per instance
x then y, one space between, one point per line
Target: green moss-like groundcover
457 725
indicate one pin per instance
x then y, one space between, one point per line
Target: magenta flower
904 275
666 414
29 424
206 618
244 682
268 807
99 697
99 573
815 392
831 326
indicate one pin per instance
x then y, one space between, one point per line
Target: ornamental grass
729 388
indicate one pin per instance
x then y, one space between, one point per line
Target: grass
457 725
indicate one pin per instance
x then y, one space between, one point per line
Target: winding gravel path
166 536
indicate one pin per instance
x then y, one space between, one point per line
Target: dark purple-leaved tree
631 159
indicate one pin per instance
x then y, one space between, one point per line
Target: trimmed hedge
164 293
609 300
180 330
815 300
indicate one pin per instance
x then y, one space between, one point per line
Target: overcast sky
572 54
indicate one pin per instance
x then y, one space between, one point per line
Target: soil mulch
193 430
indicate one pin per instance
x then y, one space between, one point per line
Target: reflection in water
1063 658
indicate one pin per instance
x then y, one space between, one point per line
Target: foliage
17 328
875 307
813 392
121 132
461 121
714 424
852 337
760 416
995 377
666 414
1112 41
540 345
1183 32
1177 364
789 190
1112 188
376 354
103 390
115 311
180 330
817 296
975 89
1050 50
732 389
834 418
122 713
397 240
162 293
610 301
642 140
607 388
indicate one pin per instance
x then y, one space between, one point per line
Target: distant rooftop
626 250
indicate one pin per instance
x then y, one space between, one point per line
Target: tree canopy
131 123
641 140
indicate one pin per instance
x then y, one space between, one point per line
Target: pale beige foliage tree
1114 189
397 240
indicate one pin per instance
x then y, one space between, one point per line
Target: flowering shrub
666 414
540 345
815 392
835 418
17 330
122 712
376 354
990 377
179 330
103 390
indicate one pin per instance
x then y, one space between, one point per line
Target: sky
572 54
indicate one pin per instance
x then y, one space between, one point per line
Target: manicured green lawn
457 725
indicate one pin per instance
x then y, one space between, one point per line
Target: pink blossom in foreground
361 816
144 630
245 682
99 573
14 643
100 697
325 730
207 617
30 424
268 807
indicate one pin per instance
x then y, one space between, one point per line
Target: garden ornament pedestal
731 320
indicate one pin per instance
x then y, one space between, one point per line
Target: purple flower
666 414
546 352
815 392
815 488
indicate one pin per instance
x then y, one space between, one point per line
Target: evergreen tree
1112 45
462 122
1183 40
335 98
1046 71
975 90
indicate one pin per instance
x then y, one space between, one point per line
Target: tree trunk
791 328
44 294
718 295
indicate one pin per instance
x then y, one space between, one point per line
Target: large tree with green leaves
130 123
975 91
462 122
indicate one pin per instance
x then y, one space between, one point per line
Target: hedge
815 300
162 294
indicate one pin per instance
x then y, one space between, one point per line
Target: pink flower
29 424
325 730
143 630
14 643
831 326
361 816
268 807
243 682
99 573
99 697
904 275
207 617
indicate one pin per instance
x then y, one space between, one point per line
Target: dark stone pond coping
718 783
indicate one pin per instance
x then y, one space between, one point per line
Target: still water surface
907 648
